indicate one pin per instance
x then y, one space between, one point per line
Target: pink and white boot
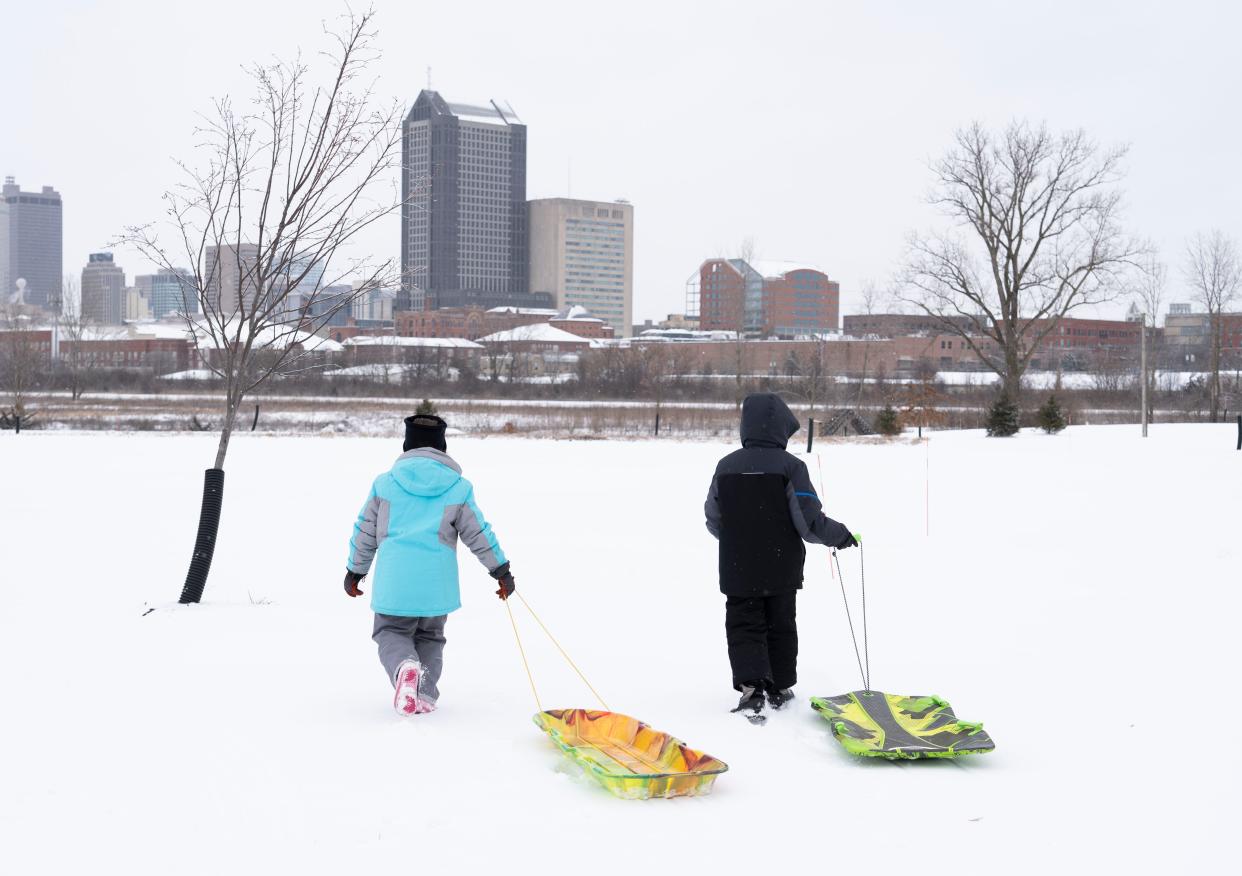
408 699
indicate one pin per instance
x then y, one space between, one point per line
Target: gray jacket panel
370 533
711 508
447 534
475 537
431 453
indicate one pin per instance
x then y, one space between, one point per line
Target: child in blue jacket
410 525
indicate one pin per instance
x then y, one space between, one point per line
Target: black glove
352 579
848 542
505 579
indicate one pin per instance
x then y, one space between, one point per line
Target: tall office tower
229 278
463 219
31 245
137 305
169 293
582 253
103 290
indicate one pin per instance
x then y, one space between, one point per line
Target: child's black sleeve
807 511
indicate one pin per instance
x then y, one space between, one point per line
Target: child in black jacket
761 507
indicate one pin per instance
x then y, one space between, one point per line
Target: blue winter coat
410 525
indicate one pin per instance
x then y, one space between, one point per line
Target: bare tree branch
267 218
1213 268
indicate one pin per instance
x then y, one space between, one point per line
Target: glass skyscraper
168 292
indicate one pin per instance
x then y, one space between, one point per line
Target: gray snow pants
412 638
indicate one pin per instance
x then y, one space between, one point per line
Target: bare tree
1214 271
740 317
74 327
871 298
815 377
1149 292
24 357
267 220
1035 235
657 367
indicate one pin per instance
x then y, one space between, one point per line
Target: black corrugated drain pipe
205 543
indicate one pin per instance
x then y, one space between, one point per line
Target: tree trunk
1214 381
1011 384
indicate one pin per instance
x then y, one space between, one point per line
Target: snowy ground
1089 620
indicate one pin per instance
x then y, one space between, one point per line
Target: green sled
875 724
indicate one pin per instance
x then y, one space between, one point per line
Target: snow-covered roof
658 334
540 332
777 268
494 113
110 333
403 341
170 331
577 313
524 311
277 337
193 374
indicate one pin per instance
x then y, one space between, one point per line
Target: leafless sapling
267 216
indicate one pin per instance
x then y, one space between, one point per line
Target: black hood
767 421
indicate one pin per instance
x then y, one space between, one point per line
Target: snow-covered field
1078 594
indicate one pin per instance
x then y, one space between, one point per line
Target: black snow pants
763 639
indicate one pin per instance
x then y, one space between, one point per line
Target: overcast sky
806 126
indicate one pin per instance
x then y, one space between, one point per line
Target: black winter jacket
762 507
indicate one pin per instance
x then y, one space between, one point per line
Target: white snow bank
192 374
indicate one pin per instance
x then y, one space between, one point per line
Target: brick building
537 338
1071 333
474 322
435 352
893 356
894 325
37 342
579 321
160 355
781 299
448 322
1189 335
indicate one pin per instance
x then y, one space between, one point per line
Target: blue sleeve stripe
808 495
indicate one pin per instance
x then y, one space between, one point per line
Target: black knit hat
425 430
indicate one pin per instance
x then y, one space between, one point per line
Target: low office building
784 300
582 254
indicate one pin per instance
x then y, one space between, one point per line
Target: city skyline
864 100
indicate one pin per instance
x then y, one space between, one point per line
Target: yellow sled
629 758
